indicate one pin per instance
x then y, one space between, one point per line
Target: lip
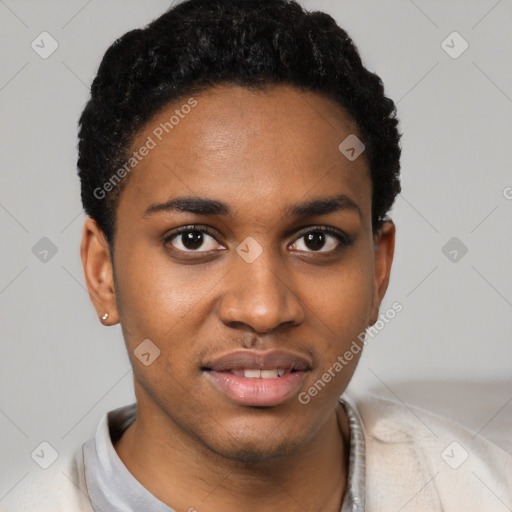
268 360
257 391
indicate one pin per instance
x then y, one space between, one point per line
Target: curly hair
254 43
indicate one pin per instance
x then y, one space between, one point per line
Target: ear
98 272
384 246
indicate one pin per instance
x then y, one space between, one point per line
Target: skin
258 152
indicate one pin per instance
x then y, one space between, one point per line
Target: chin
255 446
250 453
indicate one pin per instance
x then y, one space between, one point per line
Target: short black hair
198 44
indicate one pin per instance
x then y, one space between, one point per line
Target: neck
186 477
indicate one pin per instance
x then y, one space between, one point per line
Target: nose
260 295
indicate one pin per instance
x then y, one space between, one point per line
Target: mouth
263 379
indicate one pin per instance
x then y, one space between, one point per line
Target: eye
192 238
322 237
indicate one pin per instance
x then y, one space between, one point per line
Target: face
254 285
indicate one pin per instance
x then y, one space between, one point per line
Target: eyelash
343 239
186 229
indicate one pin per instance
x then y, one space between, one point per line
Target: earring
105 316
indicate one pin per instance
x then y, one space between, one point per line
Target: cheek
170 305
161 301
344 297
155 294
343 306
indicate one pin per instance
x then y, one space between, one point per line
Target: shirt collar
112 487
353 500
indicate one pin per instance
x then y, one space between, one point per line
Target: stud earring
105 316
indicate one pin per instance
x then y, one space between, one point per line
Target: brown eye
321 238
315 240
192 239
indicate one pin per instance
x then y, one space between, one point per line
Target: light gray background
450 348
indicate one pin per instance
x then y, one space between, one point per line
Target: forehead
273 146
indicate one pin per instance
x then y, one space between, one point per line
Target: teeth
260 374
252 374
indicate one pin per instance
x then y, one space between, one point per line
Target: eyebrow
323 206
206 206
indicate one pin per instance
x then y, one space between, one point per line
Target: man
237 164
